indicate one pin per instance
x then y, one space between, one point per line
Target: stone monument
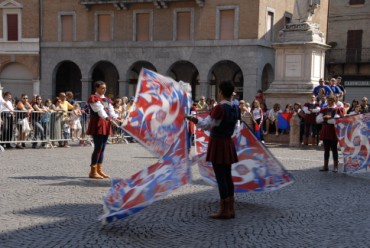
299 57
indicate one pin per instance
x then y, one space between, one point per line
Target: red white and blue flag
157 122
284 120
353 135
257 170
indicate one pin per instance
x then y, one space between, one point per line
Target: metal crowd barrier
39 129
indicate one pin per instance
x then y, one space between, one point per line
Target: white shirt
98 107
6 105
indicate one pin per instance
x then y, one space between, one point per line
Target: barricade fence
37 129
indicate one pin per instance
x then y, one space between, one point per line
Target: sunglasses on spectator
25 97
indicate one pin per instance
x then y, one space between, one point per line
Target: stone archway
68 78
226 70
267 77
186 72
17 79
134 72
107 72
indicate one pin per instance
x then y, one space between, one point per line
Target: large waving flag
257 169
353 135
284 120
157 122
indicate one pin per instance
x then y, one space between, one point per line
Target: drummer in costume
327 134
221 148
101 114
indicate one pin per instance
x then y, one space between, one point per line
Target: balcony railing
124 4
360 55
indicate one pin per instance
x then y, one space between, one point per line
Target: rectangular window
12 25
270 26
142 27
104 27
227 20
354 45
355 2
67 27
183 25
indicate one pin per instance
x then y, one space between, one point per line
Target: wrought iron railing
123 4
356 55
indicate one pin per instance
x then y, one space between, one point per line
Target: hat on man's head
321 80
132 98
234 94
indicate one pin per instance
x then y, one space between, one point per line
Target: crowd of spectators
63 119
60 120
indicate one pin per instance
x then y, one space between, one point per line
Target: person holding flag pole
100 127
221 149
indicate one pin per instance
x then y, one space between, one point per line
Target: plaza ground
46 200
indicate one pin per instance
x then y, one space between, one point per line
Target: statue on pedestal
304 9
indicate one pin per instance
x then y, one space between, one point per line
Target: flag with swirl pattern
157 122
257 170
353 134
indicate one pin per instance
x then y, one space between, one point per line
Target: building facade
19 47
197 41
349 36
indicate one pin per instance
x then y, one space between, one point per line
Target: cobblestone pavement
46 200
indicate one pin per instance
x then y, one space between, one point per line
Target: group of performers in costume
221 150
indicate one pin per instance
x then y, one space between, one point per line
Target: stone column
36 87
203 89
85 89
123 88
299 63
1 91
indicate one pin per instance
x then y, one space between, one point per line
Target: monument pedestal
299 64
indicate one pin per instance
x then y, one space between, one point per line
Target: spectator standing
22 122
235 99
7 117
257 114
56 121
326 89
38 127
101 112
75 122
297 108
310 109
327 134
245 114
340 84
272 119
69 97
334 88
65 106
260 96
353 105
355 111
365 107
202 105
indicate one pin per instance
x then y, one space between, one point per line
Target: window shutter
142 27
12 21
183 26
